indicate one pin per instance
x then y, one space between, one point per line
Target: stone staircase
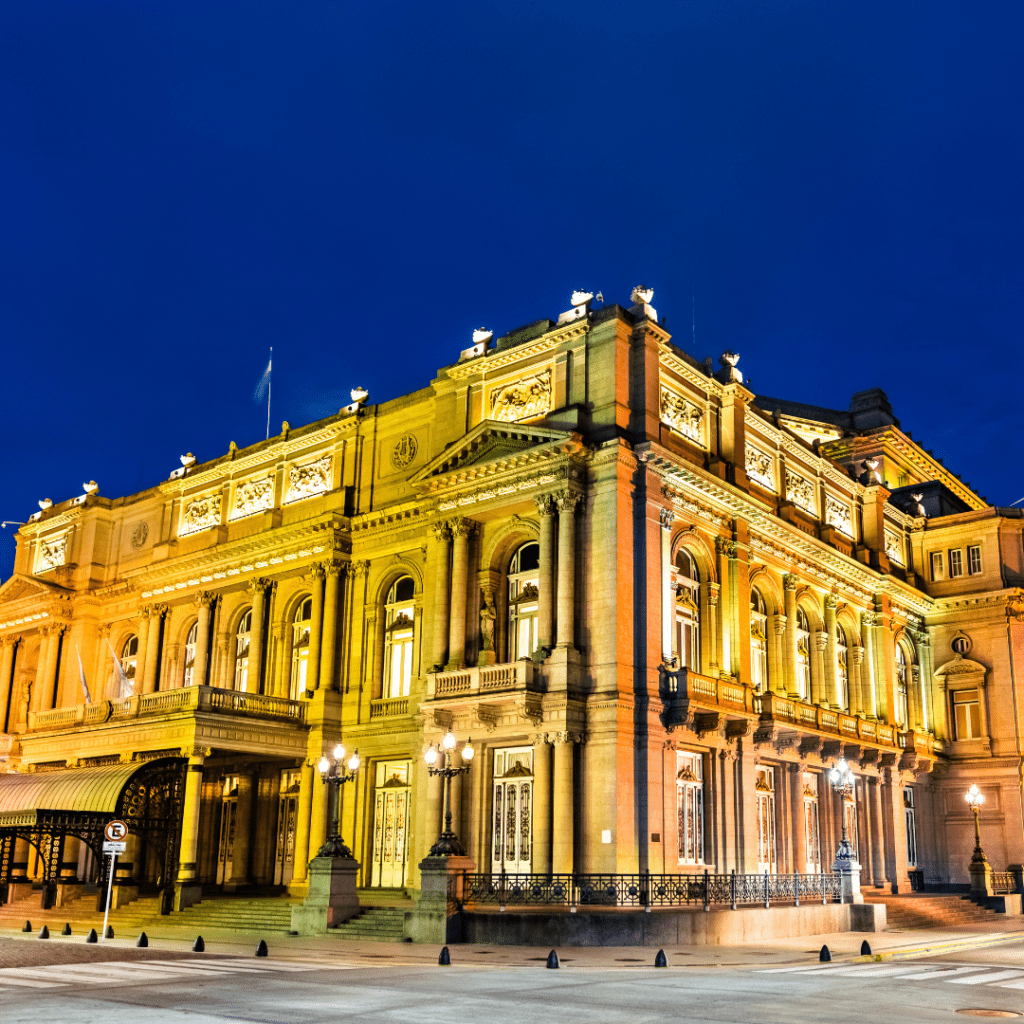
266 915
81 914
379 924
935 910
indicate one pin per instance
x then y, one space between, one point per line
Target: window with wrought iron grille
399 633
523 606
190 655
758 642
690 806
687 638
302 621
242 636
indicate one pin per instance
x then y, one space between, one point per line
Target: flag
124 685
264 383
81 675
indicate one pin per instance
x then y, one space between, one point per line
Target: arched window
803 654
130 662
242 635
190 655
399 630
300 647
687 611
758 642
523 591
842 669
902 687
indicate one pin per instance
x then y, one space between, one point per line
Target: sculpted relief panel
309 479
682 416
253 496
53 551
759 467
522 400
893 547
837 514
800 492
200 514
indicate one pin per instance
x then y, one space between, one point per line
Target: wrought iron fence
647 890
1004 882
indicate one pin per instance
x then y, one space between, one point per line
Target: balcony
513 677
388 707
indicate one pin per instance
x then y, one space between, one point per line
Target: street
69 981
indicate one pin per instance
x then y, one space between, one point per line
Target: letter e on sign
115 831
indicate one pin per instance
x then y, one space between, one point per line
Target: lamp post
842 780
448 844
336 772
981 870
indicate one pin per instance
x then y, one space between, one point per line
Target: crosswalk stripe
803 968
984 979
1010 984
874 971
30 982
942 972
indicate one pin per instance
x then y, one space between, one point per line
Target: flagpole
270 384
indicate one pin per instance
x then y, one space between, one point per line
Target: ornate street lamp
335 773
980 870
448 844
843 781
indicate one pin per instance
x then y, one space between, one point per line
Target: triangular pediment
19 587
490 442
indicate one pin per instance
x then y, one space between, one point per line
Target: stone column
778 671
726 645
789 583
456 799
563 820
301 862
46 674
316 582
318 815
187 889
895 825
799 831
567 502
461 531
831 695
204 605
668 611
916 709
152 679
819 683
258 589
877 832
329 637
541 805
546 589
442 579
239 874
435 811
855 664
867 672
714 656
727 811
7 645
747 807
139 682
934 696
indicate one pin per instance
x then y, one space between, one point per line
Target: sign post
115 835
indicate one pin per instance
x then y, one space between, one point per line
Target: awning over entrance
90 790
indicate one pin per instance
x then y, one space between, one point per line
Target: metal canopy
96 790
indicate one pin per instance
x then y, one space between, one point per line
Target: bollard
199 946
66 929
44 932
825 957
552 960
445 959
109 933
261 948
92 936
865 948
28 926
143 941
659 960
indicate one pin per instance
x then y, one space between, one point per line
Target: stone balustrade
471 682
389 707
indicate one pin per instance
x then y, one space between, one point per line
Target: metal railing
647 890
1004 882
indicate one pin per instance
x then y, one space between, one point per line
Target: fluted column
328 677
461 531
563 821
668 611
152 676
867 672
139 682
541 805
281 676
777 676
316 582
712 668
258 591
567 502
728 662
7 645
442 578
204 607
42 689
831 654
789 583
545 591
819 686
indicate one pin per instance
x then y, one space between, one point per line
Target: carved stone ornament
404 451
253 496
200 514
837 514
682 416
139 535
53 551
799 491
893 547
523 399
309 479
759 467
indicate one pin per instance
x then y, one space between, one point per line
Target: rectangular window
966 714
938 567
690 806
956 563
974 559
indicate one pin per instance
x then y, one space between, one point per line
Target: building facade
662 608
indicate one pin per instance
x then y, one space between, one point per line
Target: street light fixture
842 781
979 863
336 772
448 844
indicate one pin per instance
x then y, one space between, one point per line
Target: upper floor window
190 655
842 669
974 559
523 591
938 566
902 687
956 563
758 641
803 654
242 636
399 634
687 611
301 623
966 715
130 660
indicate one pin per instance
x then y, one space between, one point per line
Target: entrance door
766 820
911 818
812 834
228 820
390 825
512 842
287 815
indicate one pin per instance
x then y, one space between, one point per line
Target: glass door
390 825
812 832
287 815
766 820
512 841
228 819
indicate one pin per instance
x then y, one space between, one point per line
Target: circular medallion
961 644
139 535
405 451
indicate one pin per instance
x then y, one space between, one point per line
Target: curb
940 947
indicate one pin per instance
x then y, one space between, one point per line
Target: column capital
358 568
104 631
868 618
713 590
11 640
335 568
820 640
545 504
666 517
568 500
442 532
727 547
831 601
857 655
462 527
258 585
316 571
204 598
790 581
779 624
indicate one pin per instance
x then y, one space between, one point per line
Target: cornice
506 357
671 361
65 518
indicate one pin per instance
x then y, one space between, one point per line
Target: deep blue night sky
362 184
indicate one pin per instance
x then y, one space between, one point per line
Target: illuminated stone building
660 605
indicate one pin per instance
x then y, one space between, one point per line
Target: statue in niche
26 700
488 616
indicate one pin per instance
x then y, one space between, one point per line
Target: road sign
115 831
111 846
